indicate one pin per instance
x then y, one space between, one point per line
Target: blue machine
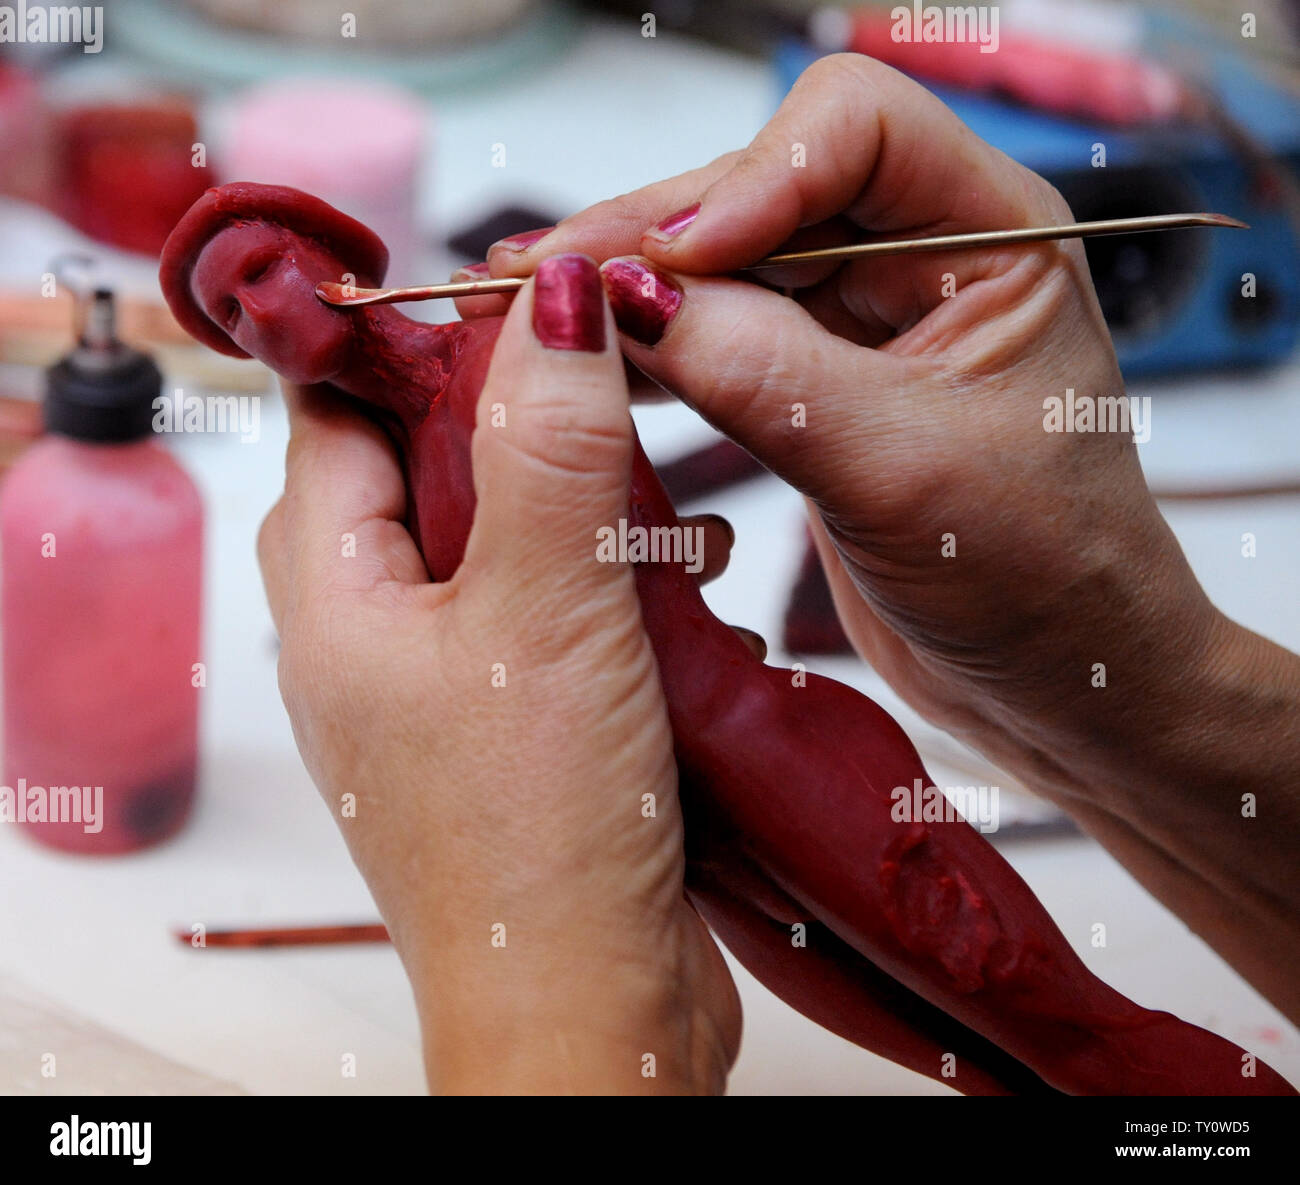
1173 300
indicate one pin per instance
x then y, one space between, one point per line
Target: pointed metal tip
1224 220
346 296
338 295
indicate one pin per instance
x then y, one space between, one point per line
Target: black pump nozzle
99 322
103 390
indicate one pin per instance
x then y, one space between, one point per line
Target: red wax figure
921 940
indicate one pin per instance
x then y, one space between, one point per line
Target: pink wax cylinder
100 569
360 146
25 137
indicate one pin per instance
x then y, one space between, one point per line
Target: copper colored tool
289 936
349 296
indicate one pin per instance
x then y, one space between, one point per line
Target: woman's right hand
981 563
1016 585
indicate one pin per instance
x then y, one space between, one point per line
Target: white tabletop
93 937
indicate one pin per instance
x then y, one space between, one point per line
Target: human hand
1015 585
489 744
982 564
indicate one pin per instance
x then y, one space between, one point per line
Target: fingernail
521 242
569 304
643 299
756 642
475 271
674 224
725 524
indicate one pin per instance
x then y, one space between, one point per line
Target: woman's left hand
492 746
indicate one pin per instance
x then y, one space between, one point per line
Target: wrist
1194 790
536 1039
489 1050
1119 703
557 1059
1215 728
1189 754
1150 723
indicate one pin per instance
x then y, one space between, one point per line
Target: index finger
609 228
853 137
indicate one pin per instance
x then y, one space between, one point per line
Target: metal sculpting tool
349 296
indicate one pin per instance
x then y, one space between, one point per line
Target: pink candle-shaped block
359 146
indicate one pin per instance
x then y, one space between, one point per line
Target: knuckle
837 69
847 86
628 214
763 164
299 456
269 533
760 378
722 164
1056 203
587 630
1045 196
565 437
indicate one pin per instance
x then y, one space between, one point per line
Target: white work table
93 937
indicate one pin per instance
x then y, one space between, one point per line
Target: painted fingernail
725 524
674 224
521 242
644 300
756 642
472 271
569 304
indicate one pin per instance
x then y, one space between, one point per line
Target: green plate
183 47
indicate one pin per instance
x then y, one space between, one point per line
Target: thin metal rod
1000 238
351 297
345 296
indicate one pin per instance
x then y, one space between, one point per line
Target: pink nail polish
644 300
569 304
476 271
521 242
674 224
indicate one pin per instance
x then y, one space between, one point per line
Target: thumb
805 402
553 445
853 137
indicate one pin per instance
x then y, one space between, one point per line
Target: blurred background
446 127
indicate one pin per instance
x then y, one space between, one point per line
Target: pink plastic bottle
100 567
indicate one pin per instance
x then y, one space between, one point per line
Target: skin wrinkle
1054 764
557 436
1215 920
834 305
352 707
1159 584
986 326
997 646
